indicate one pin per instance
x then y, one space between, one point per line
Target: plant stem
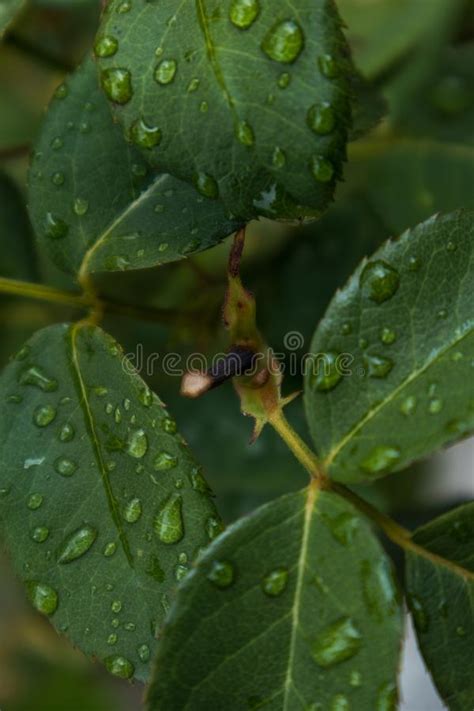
301 451
85 301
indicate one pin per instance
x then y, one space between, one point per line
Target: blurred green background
419 160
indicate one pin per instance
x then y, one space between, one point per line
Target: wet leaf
440 585
102 507
286 609
252 100
387 383
94 199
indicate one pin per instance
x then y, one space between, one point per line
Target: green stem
301 451
85 301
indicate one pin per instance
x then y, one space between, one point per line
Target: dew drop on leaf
117 84
222 574
80 207
278 158
206 185
321 119
105 46
119 666
137 443
168 523
326 373
145 136
169 426
379 281
381 460
44 415
435 406
408 405
37 377
387 336
54 227
322 169
164 461
245 134
166 71
275 582
35 501
144 653
387 698
328 66
243 13
109 549
338 642
65 467
284 42
378 366
339 703
77 544
43 597
116 606
343 527
40 534
213 528
132 511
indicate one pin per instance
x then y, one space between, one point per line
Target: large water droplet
213 527
77 544
168 522
164 461
166 71
244 133
37 377
144 653
40 534
284 42
336 643
65 467
43 597
379 281
119 666
117 84
380 590
381 460
387 698
274 583
132 510
145 136
378 366
222 574
326 372
387 336
321 118
35 501
328 66
343 527
105 46
243 13
206 185
44 415
80 206
137 443
322 169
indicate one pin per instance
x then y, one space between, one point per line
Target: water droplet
355 679
278 158
321 119
117 84
43 597
145 136
284 80
37 377
387 698
116 606
168 522
132 511
144 653
206 185
380 590
414 264
109 549
58 179
222 574
284 42
387 336
137 443
379 281
193 85
105 46
244 133
44 415
243 13
346 329
164 461
40 534
378 366
166 71
61 92
408 406
275 582
327 373
145 396
65 467
435 406
213 528
328 66
343 527
199 483
336 643
420 616
119 666
381 460
80 207
35 501
204 107
340 703
112 639
322 169
77 544
169 426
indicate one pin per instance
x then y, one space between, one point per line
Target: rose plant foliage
339 155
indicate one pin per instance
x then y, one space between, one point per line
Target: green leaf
288 608
440 585
251 99
9 9
393 354
102 506
383 32
93 198
426 177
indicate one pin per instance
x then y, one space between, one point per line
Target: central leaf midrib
331 456
90 424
